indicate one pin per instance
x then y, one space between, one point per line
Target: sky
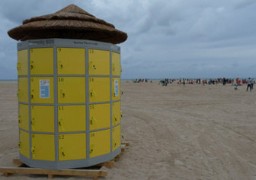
166 38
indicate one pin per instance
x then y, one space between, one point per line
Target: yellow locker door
42 90
72 147
71 90
99 116
71 118
99 62
24 143
116 89
116 113
116 64
23 116
116 137
99 89
71 60
43 147
22 65
41 61
23 89
42 118
99 143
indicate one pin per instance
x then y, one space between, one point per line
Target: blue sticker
116 88
44 88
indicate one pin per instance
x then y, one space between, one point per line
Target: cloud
165 38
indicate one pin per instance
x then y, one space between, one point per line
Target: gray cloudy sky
166 38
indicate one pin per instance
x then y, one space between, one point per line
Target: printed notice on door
44 87
116 88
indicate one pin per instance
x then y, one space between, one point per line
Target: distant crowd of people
235 82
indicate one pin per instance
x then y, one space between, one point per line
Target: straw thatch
71 22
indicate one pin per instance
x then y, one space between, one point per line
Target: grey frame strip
56 110
87 123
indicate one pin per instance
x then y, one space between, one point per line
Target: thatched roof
71 22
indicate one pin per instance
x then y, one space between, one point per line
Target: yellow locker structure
23 89
24 143
116 113
22 65
71 60
43 147
72 118
116 137
72 146
99 89
42 118
71 90
99 143
23 117
116 64
99 62
69 102
41 61
99 116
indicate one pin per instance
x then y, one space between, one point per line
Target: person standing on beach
249 84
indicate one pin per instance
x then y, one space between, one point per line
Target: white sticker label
116 88
44 87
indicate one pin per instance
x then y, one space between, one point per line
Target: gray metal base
70 163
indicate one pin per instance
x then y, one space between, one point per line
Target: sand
186 132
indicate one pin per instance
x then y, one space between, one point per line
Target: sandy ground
186 132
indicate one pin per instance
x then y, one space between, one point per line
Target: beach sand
186 132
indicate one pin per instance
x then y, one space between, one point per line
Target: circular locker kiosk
69 102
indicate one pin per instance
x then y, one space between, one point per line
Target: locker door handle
32 96
33 121
115 118
92 66
19 120
61 127
31 67
61 66
92 93
113 67
92 121
63 95
33 149
63 154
